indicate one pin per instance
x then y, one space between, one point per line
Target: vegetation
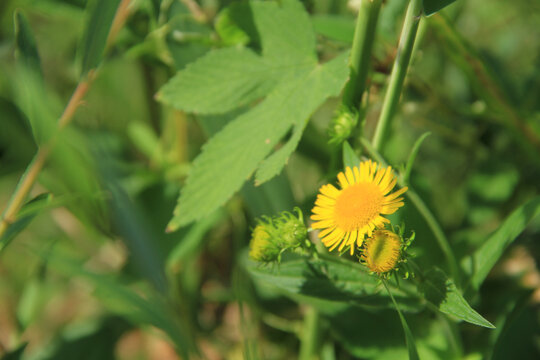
280 179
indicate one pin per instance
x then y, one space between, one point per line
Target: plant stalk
359 63
29 177
399 70
310 334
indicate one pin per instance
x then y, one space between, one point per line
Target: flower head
261 247
345 216
382 251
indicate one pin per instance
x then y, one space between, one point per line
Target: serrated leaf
483 259
329 278
349 156
26 44
229 78
335 27
99 21
220 81
432 6
439 290
233 154
273 165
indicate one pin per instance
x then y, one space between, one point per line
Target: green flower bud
342 125
273 236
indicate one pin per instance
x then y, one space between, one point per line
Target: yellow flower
345 216
382 251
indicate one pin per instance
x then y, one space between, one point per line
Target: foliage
142 142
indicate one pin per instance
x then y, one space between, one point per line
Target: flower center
382 251
357 205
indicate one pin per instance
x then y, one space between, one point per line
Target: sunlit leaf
232 155
441 292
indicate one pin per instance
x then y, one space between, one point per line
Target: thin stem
428 216
399 70
310 334
364 36
29 177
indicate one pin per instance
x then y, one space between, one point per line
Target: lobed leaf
233 154
221 81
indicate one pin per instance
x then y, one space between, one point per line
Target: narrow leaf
444 295
349 156
27 213
412 156
100 15
27 52
432 6
483 260
409 338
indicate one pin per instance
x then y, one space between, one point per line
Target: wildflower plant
254 179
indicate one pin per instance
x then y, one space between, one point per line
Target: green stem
399 70
359 63
310 334
428 216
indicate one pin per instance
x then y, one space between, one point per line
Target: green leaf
27 52
409 338
27 213
412 156
444 295
349 156
483 259
334 27
100 15
232 155
273 165
330 278
220 81
432 6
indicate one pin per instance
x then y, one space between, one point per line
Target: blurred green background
95 276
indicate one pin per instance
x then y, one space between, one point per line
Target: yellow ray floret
346 215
